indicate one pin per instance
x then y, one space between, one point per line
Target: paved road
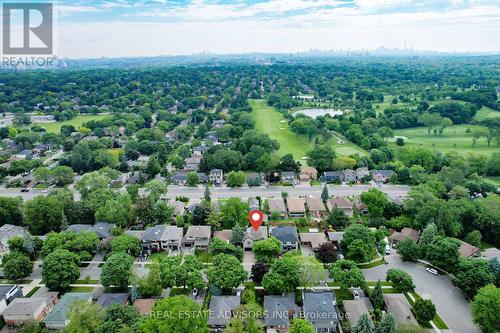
449 300
393 191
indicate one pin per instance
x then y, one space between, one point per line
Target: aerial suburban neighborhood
250 191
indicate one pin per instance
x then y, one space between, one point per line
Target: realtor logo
27 28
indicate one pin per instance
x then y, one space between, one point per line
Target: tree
237 234
408 250
126 244
60 269
11 211
62 175
218 246
234 212
43 214
377 296
117 270
176 322
236 179
387 324
301 326
227 272
376 201
444 252
364 325
153 167
327 253
426 238
120 319
151 284
424 309
430 120
311 271
445 122
362 238
474 238
347 274
207 197
359 251
337 218
84 317
16 266
409 328
259 269
472 275
400 142
324 194
321 157
401 280
266 249
273 283
33 327
477 133
192 179
486 309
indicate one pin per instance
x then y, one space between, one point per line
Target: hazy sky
172 27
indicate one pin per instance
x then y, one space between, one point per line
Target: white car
355 294
432 271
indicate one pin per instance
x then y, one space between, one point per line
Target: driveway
248 260
449 300
307 250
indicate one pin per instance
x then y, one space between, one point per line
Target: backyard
77 122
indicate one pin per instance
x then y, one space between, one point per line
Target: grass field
77 122
269 120
454 138
486 113
387 104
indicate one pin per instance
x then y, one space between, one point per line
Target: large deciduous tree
117 270
486 309
227 272
60 269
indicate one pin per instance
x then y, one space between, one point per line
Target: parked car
25 190
432 271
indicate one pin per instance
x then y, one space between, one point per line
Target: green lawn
81 289
269 120
387 104
453 138
179 291
77 122
494 179
485 113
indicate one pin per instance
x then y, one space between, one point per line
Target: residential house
42 119
320 310
280 311
119 181
197 237
212 137
356 308
102 229
316 207
202 177
41 150
8 231
50 297
224 235
381 176
179 207
287 235
467 250
342 203
24 310
8 293
216 176
335 237
180 177
296 207
24 154
6 121
313 239
362 173
349 176
253 204
134 178
288 177
405 233
251 236
216 124
360 206
162 238
109 299
200 150
192 163
76 228
331 176
398 305
220 311
308 173
277 206
57 319
144 305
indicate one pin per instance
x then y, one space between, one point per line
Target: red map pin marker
255 217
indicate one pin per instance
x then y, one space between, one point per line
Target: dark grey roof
285 233
278 310
332 174
76 228
386 173
221 308
102 229
152 234
320 309
179 176
109 299
203 177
